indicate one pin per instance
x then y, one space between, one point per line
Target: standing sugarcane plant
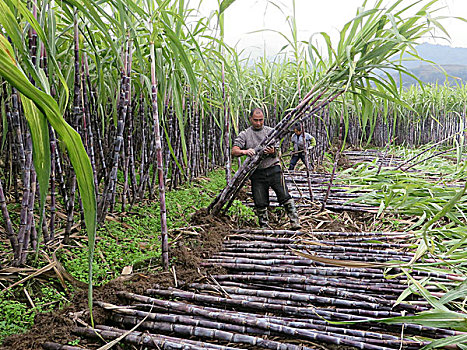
108 197
40 108
307 164
350 67
160 169
228 158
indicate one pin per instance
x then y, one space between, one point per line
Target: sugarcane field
233 174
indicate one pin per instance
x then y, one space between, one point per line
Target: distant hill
452 59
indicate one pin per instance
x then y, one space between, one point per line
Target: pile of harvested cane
369 155
271 295
335 195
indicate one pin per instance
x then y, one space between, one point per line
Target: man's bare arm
237 152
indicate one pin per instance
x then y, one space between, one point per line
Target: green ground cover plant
132 238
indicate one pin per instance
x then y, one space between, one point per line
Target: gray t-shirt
298 141
250 138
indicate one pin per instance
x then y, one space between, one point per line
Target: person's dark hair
297 126
254 110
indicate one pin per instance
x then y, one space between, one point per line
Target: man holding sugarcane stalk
268 174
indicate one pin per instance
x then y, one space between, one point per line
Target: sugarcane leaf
432 318
425 293
224 5
408 291
96 14
13 29
41 148
11 26
456 293
441 319
445 342
177 47
381 208
418 223
445 210
421 250
70 138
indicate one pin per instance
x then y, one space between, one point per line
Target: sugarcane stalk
254 322
53 202
136 338
59 170
427 158
334 168
172 339
362 237
30 227
330 251
55 346
345 314
92 112
11 157
306 271
367 335
86 108
23 232
7 221
343 282
126 112
226 142
218 313
315 290
428 149
144 169
131 150
333 338
308 262
203 332
378 234
16 125
108 197
126 161
33 36
77 116
307 162
306 283
302 297
160 170
180 319
273 254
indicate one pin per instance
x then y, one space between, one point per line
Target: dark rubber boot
291 211
263 220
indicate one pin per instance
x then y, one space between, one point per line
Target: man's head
297 129
257 118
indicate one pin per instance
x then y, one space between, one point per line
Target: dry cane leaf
127 270
336 262
34 274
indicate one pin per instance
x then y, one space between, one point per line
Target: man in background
300 140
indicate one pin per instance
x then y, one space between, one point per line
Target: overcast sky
246 16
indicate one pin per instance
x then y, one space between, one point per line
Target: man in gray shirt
268 174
